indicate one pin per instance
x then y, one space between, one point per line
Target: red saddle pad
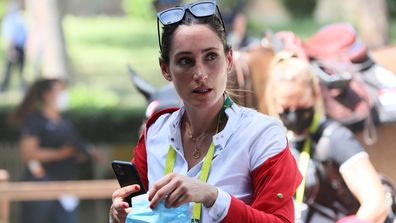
338 40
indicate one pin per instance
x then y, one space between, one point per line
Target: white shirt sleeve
220 208
357 157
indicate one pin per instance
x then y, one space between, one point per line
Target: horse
383 152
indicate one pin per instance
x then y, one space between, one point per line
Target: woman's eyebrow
209 49
184 53
181 53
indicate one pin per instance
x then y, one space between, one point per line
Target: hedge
94 124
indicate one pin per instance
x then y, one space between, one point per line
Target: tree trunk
370 18
337 10
46 45
267 12
373 23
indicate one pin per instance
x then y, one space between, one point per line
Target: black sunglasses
176 14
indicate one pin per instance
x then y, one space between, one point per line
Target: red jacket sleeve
274 184
140 159
140 154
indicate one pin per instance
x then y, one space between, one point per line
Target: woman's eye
185 61
211 56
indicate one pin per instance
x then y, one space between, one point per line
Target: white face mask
62 101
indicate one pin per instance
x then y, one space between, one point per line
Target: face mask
297 120
142 212
62 101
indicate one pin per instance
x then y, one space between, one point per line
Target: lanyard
203 176
303 162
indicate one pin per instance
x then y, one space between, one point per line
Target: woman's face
293 95
51 97
198 65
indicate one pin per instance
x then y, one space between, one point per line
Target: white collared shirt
247 141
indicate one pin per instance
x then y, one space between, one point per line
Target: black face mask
297 120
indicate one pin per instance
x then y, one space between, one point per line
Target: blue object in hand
142 213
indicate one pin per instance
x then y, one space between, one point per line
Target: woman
252 174
339 179
49 146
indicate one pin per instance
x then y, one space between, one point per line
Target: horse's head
157 99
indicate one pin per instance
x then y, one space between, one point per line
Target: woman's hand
177 189
66 151
119 208
36 169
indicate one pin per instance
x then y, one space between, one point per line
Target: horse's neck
250 76
259 61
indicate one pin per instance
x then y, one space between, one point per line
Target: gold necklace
198 141
195 139
196 153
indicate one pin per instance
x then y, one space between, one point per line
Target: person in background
50 148
339 179
235 22
14 33
230 163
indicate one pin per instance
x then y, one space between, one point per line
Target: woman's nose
200 73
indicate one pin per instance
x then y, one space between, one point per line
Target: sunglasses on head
176 14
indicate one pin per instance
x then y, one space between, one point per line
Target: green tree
370 17
139 8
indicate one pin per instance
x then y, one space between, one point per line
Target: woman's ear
230 60
165 70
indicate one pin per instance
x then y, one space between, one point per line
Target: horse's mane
248 79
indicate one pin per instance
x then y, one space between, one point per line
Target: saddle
350 80
337 40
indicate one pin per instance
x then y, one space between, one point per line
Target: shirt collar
174 137
220 139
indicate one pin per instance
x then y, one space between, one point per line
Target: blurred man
14 33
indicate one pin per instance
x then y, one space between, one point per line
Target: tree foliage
3 7
139 8
392 8
300 8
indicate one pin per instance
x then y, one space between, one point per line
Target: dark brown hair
32 100
213 21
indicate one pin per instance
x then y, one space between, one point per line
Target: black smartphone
127 174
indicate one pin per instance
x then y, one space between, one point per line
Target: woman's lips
201 90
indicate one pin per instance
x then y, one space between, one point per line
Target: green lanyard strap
303 162
203 176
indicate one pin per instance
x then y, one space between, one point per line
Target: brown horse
254 63
386 57
383 152
248 80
